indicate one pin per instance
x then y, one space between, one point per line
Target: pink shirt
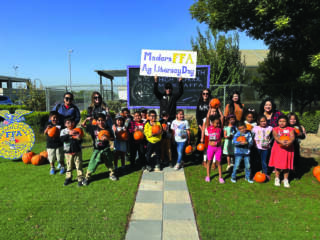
214 134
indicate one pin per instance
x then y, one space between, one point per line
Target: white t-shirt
180 130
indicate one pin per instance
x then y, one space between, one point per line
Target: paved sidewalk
163 209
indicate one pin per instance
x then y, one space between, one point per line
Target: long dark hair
268 99
231 102
102 103
201 98
296 117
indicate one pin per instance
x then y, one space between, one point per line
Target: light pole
15 68
70 82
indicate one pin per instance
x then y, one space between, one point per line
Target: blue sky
36 36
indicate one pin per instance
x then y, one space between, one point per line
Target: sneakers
80 184
113 177
221 180
286 183
248 180
85 182
207 179
157 168
277 182
62 170
177 166
67 181
52 171
233 180
58 166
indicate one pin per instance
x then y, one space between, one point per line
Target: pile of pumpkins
316 173
35 159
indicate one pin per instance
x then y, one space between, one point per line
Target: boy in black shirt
100 134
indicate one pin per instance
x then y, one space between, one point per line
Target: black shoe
67 181
80 184
85 182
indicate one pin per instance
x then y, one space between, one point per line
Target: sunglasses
68 99
205 93
96 97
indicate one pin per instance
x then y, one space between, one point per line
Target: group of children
249 140
252 140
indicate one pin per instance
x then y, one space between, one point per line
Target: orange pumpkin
249 127
215 103
138 135
284 137
189 150
318 177
164 126
156 130
316 171
94 122
259 177
80 132
200 147
123 135
26 158
103 133
241 139
37 160
44 154
297 130
53 132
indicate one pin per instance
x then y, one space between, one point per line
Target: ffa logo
16 137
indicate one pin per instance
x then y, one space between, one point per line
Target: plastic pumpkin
26 158
37 160
80 132
249 127
316 171
94 122
241 139
189 150
53 132
215 103
103 133
44 154
138 135
200 147
259 177
156 129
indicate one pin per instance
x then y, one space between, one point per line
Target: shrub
310 120
12 108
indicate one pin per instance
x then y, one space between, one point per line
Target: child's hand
104 138
156 78
244 143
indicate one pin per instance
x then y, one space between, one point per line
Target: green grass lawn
35 205
255 211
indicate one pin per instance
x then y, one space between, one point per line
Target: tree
33 98
289 28
222 54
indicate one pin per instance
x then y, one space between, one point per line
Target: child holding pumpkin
54 143
214 133
120 142
228 146
136 140
153 133
242 143
101 134
282 152
181 132
71 139
250 119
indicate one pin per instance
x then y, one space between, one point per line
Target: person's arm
203 130
302 134
276 137
292 137
188 132
155 89
198 117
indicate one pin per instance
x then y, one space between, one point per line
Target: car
4 100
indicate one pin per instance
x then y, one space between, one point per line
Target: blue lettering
147 54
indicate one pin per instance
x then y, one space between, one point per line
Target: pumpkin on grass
53 132
79 132
316 171
215 103
189 150
103 133
37 160
138 135
318 177
200 147
26 158
44 154
260 177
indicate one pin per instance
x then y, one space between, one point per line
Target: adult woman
98 106
67 109
234 106
202 109
269 109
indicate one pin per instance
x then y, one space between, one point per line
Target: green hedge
37 120
12 108
310 120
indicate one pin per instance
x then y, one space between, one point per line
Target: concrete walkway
163 209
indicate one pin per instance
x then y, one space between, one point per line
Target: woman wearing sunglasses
67 109
202 109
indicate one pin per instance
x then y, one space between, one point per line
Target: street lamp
70 82
15 68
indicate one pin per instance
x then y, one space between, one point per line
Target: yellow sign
16 137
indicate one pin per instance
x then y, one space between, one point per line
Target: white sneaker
286 183
277 182
177 166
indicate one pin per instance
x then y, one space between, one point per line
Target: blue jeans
237 161
180 150
263 156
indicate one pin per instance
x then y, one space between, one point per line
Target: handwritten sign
167 63
16 137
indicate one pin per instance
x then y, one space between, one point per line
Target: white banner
165 63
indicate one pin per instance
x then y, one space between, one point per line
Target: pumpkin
138 135
94 122
297 130
215 103
26 158
44 154
249 127
53 132
284 137
259 177
103 133
80 132
316 171
318 177
156 129
200 147
189 150
37 160
241 139
123 135
164 126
